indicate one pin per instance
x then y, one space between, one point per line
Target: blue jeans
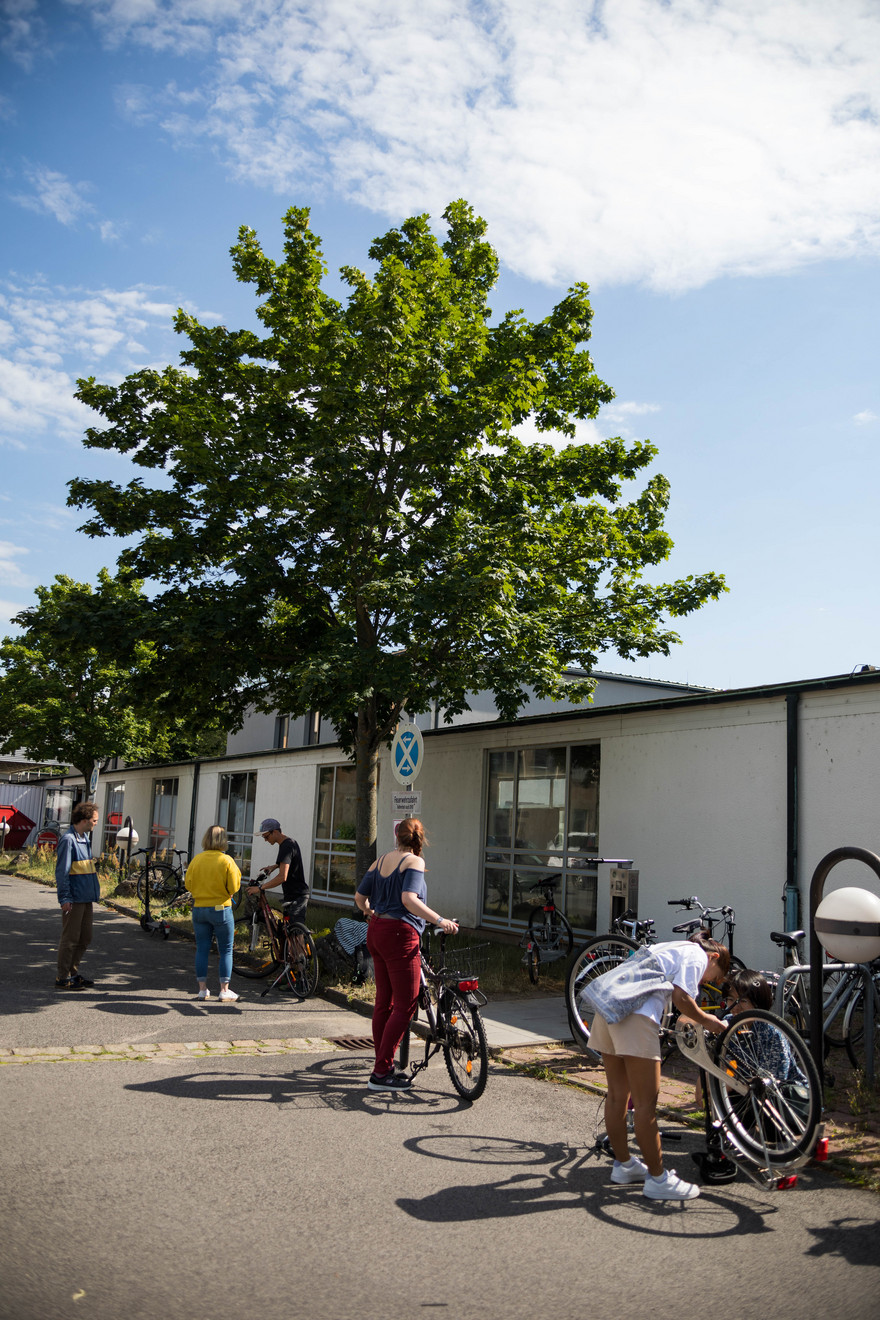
209 922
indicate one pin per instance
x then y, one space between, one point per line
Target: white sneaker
669 1187
634 1172
227 996
204 994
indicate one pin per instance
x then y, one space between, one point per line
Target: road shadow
853 1240
338 1083
540 1177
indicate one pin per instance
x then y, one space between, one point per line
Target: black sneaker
78 982
390 1082
63 983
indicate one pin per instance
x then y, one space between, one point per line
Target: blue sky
710 167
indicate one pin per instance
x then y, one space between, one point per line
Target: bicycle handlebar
684 902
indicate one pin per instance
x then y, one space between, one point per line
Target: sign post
407 755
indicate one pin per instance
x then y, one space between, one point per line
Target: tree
347 519
72 686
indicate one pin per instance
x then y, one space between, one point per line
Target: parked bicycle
275 944
709 919
599 954
843 998
450 999
549 935
165 879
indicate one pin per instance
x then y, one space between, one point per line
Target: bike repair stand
147 923
713 1164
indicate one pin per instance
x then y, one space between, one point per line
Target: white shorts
637 1036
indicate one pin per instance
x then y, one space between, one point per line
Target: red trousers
394 947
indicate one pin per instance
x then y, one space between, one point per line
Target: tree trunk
366 780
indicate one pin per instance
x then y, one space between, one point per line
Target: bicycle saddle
789 939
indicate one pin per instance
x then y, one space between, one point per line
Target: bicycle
842 998
275 943
165 879
450 998
708 920
599 955
756 1118
549 935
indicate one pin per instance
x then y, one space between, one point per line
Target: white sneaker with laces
669 1187
227 996
204 994
633 1172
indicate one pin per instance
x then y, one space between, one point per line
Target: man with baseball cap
288 867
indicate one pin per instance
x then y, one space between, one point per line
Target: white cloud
865 418
664 141
22 31
10 572
50 336
55 195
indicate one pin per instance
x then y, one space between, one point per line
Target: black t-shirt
295 885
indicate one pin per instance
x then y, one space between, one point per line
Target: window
312 735
282 730
333 856
164 817
542 818
59 805
238 794
113 817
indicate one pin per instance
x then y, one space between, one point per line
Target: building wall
694 793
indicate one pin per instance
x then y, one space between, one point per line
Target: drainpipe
791 897
197 766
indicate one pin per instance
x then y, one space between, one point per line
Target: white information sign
407 753
406 804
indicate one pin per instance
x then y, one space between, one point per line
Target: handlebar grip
680 902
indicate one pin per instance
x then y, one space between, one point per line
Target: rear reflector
464 986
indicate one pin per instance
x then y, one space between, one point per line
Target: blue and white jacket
76 878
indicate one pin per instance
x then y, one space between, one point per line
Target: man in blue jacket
77 882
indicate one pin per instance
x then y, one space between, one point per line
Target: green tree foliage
346 518
72 683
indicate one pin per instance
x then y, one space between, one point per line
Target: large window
164 817
333 856
542 819
59 805
238 793
113 817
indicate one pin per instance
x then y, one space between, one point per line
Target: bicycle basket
467 961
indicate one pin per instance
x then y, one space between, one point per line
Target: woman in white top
630 1049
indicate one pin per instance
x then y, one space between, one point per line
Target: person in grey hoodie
76 880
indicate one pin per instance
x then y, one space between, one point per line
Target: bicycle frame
275 928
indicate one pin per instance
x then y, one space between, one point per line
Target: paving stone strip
166 1052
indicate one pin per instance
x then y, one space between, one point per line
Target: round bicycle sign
407 753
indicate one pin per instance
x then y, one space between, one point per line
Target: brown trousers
76 936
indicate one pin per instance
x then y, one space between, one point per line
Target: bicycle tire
465 1048
259 962
551 930
162 881
301 961
775 1123
854 1031
598 955
533 962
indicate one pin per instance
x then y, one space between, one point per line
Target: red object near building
19 824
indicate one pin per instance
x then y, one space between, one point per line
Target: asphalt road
278 1186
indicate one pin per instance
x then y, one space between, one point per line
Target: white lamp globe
123 835
847 924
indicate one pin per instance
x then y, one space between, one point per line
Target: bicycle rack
817 889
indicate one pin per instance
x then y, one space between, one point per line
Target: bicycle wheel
770 1102
551 930
533 962
854 1030
301 963
592 959
260 958
466 1050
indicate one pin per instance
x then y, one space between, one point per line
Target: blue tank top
384 891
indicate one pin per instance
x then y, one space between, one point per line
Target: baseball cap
270 823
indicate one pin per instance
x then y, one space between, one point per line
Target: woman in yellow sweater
212 877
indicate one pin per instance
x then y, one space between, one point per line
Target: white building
734 796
